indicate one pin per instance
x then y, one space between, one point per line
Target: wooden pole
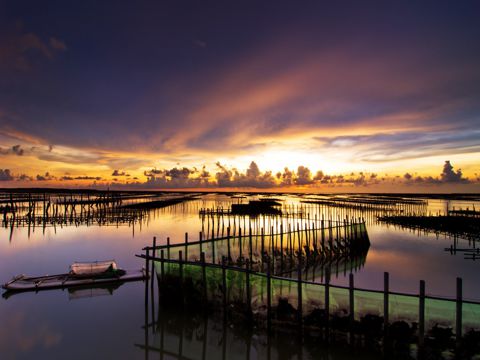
224 285
168 248
352 300
421 313
250 245
204 277
162 265
153 262
248 289
228 244
458 322
180 266
263 244
147 261
299 291
327 296
385 299
240 243
269 298
186 246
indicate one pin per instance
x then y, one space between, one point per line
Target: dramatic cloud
119 173
45 177
5 175
449 175
15 149
304 176
322 89
176 178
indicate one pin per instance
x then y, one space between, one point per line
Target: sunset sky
342 95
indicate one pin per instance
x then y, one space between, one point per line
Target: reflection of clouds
17 334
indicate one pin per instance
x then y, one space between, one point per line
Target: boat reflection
77 292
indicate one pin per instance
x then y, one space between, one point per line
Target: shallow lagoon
56 324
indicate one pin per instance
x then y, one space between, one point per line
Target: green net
214 284
313 298
403 307
235 286
367 302
284 298
339 300
441 312
258 286
470 316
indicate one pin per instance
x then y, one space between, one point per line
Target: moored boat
81 274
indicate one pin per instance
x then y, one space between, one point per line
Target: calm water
57 324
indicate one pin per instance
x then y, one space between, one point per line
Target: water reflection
51 325
176 334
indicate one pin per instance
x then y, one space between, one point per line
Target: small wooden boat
81 274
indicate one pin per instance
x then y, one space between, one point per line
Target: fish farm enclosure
370 271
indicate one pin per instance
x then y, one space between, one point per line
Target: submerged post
458 322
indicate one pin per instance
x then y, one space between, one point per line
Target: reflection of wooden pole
162 333
224 337
458 322
205 335
421 313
